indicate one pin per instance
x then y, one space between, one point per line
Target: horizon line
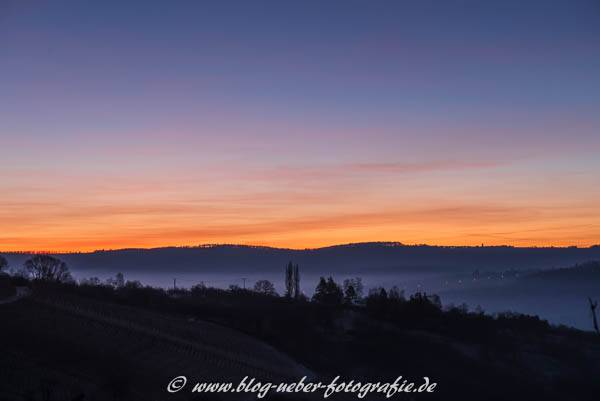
214 245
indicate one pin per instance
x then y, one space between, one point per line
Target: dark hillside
60 347
7 288
126 344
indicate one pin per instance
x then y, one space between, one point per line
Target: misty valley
559 302
497 279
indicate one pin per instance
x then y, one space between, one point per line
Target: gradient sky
298 124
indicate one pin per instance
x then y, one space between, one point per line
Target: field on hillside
81 342
59 348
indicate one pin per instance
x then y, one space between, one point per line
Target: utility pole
174 283
244 279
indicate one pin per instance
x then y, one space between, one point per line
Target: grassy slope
72 346
128 344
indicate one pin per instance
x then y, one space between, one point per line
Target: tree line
327 292
42 267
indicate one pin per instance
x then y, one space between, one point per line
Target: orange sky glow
180 125
300 207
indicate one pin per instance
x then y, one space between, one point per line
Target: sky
298 124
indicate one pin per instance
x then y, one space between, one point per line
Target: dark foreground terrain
70 342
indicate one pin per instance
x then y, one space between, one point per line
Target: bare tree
265 287
593 305
117 282
48 268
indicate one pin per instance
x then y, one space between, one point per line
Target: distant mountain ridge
359 257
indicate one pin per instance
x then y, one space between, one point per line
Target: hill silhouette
359 258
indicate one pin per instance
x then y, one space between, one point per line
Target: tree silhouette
3 263
296 282
435 300
396 293
593 306
198 288
350 297
377 301
133 284
334 292
265 287
328 292
48 268
92 281
289 285
356 284
320 294
117 282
